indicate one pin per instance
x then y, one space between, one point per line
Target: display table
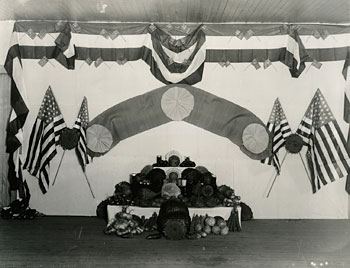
224 212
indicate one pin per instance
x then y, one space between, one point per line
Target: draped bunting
209 112
177 59
122 42
18 115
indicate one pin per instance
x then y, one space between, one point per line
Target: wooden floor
79 242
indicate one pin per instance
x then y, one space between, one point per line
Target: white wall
253 89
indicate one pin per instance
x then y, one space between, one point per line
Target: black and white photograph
174 133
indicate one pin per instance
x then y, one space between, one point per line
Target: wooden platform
79 242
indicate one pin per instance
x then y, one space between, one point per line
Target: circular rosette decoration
69 138
173 174
174 158
255 138
177 103
98 139
294 143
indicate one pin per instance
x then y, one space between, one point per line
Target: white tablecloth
148 211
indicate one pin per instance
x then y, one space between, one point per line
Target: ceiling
180 11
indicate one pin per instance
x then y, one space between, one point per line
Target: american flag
280 129
327 155
81 125
44 140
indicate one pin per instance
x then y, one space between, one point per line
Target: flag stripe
341 147
34 141
81 124
328 159
318 176
323 169
335 147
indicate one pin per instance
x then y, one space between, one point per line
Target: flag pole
87 180
307 172
59 166
268 194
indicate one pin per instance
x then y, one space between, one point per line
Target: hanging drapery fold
18 115
292 45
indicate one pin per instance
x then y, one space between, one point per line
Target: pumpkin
175 229
207 190
207 178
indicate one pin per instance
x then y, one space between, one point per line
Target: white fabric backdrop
253 89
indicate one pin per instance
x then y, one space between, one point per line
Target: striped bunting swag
18 116
81 125
177 60
280 129
171 60
327 155
296 54
44 140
